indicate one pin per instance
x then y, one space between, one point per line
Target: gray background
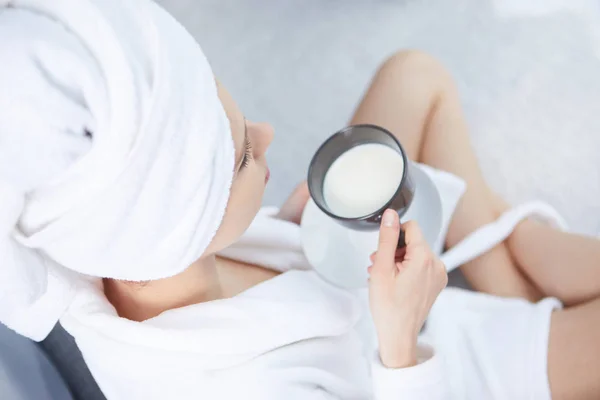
530 86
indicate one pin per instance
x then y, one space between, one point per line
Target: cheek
244 202
249 194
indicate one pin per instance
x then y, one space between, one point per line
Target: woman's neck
139 301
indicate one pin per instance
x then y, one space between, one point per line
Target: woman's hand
293 207
403 285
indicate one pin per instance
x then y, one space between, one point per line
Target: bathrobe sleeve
425 381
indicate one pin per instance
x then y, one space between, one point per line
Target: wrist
399 353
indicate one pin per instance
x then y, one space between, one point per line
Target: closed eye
247 154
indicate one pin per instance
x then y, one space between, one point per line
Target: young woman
147 163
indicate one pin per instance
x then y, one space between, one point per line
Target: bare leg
560 264
414 97
565 266
574 352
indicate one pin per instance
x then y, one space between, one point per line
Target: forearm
400 351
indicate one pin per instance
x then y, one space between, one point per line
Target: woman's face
251 173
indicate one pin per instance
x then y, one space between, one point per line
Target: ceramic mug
338 144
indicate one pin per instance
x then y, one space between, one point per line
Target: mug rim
343 131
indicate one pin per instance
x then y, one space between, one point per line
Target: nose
261 135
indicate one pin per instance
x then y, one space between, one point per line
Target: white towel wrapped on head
116 156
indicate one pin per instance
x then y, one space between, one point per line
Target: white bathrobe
291 337
298 337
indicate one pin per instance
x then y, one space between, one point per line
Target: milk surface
362 180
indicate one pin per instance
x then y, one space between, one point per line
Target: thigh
574 352
400 99
415 98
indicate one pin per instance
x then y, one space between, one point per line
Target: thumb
388 239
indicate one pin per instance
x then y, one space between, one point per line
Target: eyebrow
238 163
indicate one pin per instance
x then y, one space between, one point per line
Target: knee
410 60
415 64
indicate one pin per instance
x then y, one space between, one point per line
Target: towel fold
116 155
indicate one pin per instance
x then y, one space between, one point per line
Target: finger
373 256
399 257
439 265
441 270
412 233
417 255
400 254
388 238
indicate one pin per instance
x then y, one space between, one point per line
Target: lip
267 175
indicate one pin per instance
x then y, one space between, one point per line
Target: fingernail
389 217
